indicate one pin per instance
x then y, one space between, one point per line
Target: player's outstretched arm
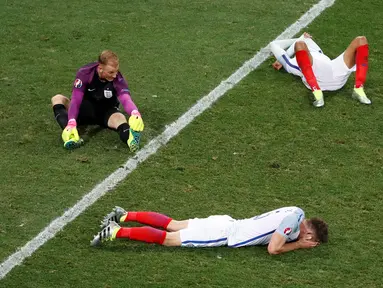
70 134
135 119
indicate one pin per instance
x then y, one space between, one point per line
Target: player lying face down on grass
98 90
320 73
282 230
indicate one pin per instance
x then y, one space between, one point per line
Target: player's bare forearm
278 244
285 248
300 244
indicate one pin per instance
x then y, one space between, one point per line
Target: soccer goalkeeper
98 90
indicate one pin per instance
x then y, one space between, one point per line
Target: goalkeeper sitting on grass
98 90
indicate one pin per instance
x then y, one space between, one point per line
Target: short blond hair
107 56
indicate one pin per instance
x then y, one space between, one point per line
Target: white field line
172 130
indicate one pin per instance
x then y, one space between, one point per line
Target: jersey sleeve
121 85
123 94
78 91
289 225
290 65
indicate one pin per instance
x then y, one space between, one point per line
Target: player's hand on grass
276 65
70 132
307 35
135 121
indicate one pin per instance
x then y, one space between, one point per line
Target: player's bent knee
300 45
59 99
361 40
116 119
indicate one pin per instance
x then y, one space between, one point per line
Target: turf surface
262 146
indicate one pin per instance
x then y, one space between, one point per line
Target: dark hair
321 229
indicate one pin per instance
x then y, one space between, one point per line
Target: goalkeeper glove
135 121
70 135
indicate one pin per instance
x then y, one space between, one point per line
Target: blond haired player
98 90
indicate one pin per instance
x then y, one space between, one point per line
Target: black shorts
94 114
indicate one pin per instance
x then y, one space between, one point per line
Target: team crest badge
287 231
78 83
108 94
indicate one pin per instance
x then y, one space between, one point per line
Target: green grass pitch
260 147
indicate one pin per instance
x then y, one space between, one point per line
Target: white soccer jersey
259 229
221 230
330 74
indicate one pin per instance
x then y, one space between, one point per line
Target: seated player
282 230
320 73
97 91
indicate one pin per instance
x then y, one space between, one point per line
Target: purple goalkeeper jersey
103 93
